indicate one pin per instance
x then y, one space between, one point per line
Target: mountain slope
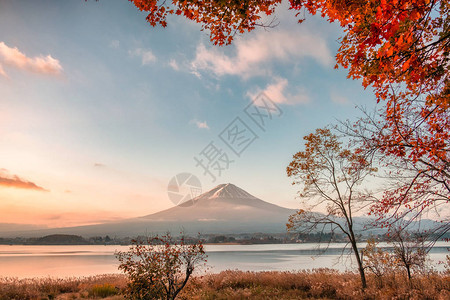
223 209
225 202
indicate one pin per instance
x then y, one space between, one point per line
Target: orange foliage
223 18
160 267
401 49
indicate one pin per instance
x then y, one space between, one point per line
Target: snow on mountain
225 202
226 190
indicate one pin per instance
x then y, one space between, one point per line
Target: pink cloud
279 92
199 124
17 182
41 64
2 71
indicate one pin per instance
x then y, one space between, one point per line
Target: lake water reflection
84 260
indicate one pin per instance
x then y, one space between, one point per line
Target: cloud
278 92
14 58
173 63
99 165
339 99
16 182
2 72
199 124
252 55
147 57
114 44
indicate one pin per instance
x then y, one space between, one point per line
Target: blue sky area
98 110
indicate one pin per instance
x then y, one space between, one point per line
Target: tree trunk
361 273
408 269
188 274
359 261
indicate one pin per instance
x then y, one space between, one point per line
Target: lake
84 260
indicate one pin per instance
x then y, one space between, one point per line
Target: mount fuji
225 202
225 209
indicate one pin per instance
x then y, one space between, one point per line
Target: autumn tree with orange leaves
399 48
332 177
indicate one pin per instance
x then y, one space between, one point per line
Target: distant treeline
253 238
244 239
64 239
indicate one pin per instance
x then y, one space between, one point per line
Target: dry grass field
316 284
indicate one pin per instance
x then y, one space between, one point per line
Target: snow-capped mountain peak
226 190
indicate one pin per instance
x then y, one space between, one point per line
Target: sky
99 110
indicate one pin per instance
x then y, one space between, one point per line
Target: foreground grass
93 287
316 284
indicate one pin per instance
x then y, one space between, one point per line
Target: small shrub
378 261
159 267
